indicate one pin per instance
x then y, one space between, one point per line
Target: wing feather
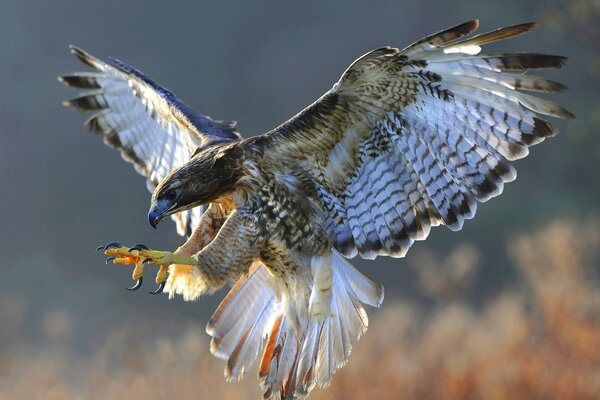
147 123
414 138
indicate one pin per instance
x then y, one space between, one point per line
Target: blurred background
507 308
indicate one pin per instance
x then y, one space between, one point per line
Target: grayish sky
64 193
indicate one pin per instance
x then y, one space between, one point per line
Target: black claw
159 289
99 248
138 247
112 245
138 284
109 259
146 260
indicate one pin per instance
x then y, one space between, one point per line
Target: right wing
148 124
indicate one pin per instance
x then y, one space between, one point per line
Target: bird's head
212 173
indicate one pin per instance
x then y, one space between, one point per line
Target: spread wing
148 124
410 139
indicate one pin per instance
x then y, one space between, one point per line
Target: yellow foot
139 255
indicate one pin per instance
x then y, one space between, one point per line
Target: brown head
212 173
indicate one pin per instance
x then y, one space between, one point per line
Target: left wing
147 123
410 139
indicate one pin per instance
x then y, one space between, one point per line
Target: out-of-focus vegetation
537 340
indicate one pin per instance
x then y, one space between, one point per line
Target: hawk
405 140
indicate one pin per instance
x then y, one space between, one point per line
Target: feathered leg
228 256
319 304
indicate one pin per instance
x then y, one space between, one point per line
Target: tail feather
245 352
365 289
294 360
237 326
279 359
307 359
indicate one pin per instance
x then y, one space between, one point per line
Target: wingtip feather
495 35
85 57
442 37
567 114
471 25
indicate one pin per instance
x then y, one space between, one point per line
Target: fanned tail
251 319
293 363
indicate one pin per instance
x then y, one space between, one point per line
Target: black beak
154 219
158 211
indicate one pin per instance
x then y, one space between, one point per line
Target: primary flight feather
405 140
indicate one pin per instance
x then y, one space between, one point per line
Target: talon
99 248
112 245
138 247
138 284
159 289
109 259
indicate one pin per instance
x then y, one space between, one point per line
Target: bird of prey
404 141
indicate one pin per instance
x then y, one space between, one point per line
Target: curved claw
146 260
138 247
111 245
159 289
109 259
137 285
99 248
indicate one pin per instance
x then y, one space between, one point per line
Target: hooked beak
159 210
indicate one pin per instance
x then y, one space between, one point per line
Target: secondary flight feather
404 141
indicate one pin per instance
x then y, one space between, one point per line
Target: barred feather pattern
406 140
152 129
252 319
421 135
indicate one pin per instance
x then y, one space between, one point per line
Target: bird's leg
319 304
139 255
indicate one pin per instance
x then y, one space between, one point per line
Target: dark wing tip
85 102
85 57
469 26
79 80
557 87
549 61
525 26
79 53
567 114
519 29
523 61
498 34
541 129
458 30
446 36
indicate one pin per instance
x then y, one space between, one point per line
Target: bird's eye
171 194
